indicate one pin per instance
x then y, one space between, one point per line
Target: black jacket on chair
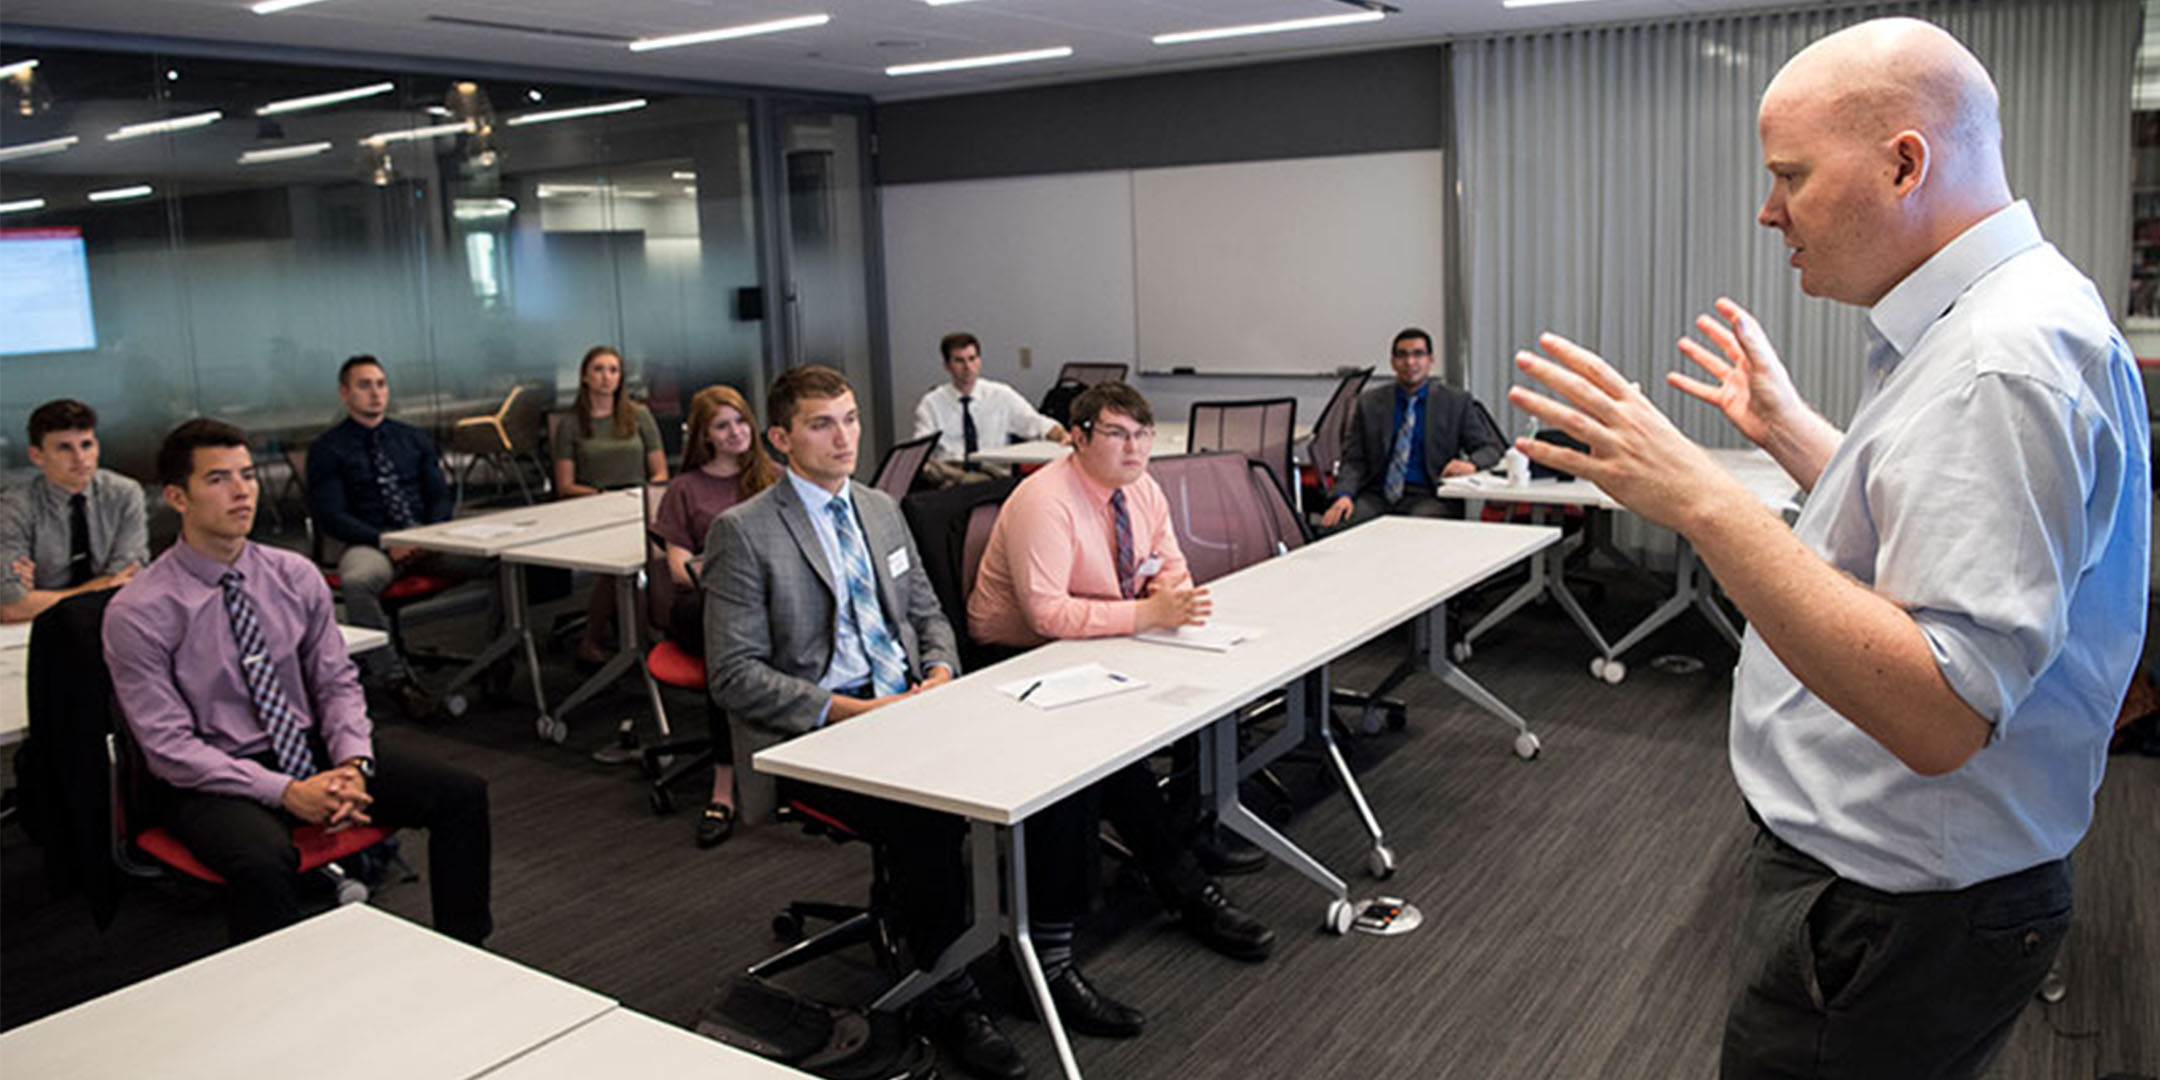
61 768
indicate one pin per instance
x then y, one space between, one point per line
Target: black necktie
393 496
969 441
79 565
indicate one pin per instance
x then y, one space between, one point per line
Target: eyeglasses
1406 354
1144 436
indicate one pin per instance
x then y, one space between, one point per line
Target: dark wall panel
1352 104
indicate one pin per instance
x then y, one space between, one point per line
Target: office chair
851 924
494 439
1263 429
1323 455
902 464
667 762
404 590
1088 373
952 529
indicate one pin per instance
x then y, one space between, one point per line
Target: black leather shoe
715 825
1226 854
969 1037
417 704
1084 1009
1224 927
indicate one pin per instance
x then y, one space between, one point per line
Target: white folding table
625 1041
619 552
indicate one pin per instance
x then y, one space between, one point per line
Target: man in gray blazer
817 610
1387 470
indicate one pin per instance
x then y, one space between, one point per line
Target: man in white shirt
1936 650
971 413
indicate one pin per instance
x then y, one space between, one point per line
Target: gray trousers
364 572
1840 980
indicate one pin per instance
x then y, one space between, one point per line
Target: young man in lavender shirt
236 684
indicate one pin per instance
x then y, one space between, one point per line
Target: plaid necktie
79 562
272 707
393 496
969 440
888 664
1398 466
1126 586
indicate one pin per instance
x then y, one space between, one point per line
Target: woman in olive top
724 462
608 441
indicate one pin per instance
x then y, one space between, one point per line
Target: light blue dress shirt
850 665
1993 484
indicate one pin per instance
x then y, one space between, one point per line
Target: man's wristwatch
366 765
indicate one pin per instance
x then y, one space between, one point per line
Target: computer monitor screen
44 292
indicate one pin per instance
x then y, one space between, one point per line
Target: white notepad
484 530
1068 686
1214 637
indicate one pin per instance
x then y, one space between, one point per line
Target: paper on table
1067 686
483 530
1214 637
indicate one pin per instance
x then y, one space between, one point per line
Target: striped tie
1126 586
272 707
1398 466
888 664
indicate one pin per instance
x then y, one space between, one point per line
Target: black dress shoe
973 1040
1224 927
1084 1009
417 704
1226 854
715 825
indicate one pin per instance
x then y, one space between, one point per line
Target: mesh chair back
1264 429
1290 530
1222 522
1087 374
976 540
1333 428
903 463
952 528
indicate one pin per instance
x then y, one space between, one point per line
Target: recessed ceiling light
1535 3
272 7
37 149
21 205
316 101
681 175
572 113
159 127
726 33
942 3
1320 22
118 193
993 60
283 153
428 132
19 67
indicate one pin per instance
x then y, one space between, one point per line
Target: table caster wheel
1615 670
1340 914
1381 861
1371 719
455 705
1461 651
661 801
1526 746
2052 988
551 730
1597 667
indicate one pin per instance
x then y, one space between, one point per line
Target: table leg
553 728
1219 761
981 933
510 595
1016 899
1454 678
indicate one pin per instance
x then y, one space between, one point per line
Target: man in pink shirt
1084 548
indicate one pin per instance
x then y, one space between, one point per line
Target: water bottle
1516 462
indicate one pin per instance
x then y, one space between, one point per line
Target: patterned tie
272 707
1126 586
888 663
393 497
969 440
1398 466
79 563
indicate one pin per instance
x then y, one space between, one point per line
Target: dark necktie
79 563
272 707
969 441
1398 469
1125 584
393 497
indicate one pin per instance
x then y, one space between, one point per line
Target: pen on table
1032 687
1116 677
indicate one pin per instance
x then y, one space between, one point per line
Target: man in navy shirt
367 476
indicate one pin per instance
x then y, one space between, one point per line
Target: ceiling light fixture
19 67
283 153
316 101
160 127
272 7
942 3
726 33
21 206
1535 3
409 134
570 114
38 149
118 193
993 60
680 175
1320 22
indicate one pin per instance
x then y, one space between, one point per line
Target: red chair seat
414 587
675 667
316 848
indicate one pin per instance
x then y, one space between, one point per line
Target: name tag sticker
897 562
1150 568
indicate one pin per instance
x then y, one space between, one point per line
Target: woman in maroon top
723 463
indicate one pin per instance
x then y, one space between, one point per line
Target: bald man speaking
1936 651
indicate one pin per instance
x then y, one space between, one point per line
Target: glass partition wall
188 236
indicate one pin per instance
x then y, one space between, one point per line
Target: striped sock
1053 946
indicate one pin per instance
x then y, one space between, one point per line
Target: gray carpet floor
1579 908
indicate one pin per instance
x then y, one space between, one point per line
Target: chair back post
902 464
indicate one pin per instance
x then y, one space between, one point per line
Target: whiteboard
1293 266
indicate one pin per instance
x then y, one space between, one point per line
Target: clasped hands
336 799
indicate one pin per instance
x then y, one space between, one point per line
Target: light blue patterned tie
888 664
1398 466
272 707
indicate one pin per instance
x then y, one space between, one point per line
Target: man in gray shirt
74 527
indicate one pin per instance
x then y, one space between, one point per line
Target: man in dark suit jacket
817 610
1382 471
